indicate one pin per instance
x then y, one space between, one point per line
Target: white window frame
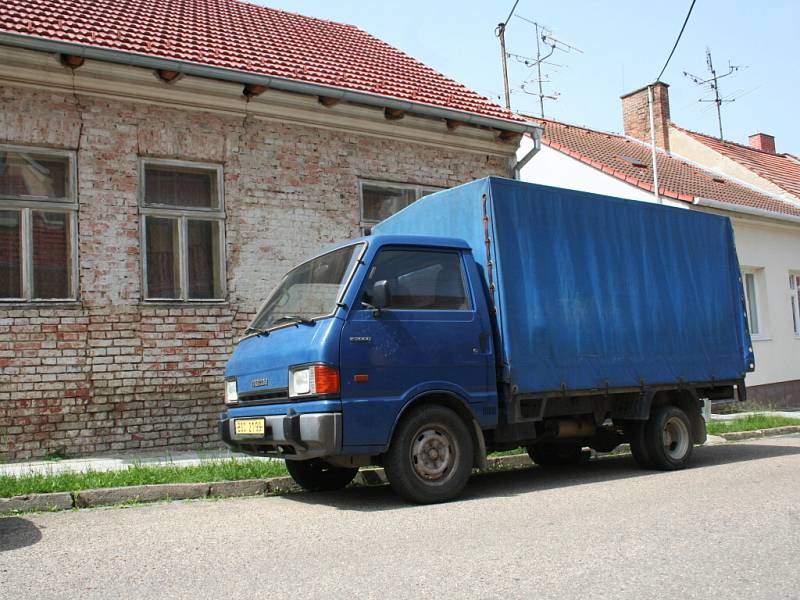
183 215
419 191
26 205
757 275
794 298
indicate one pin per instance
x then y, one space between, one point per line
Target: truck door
428 336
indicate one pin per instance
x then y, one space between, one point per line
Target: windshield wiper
256 330
297 318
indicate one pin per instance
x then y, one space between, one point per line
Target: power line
685 21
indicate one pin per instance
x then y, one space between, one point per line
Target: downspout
536 136
653 142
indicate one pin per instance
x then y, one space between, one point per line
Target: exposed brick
113 372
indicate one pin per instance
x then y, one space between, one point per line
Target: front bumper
293 436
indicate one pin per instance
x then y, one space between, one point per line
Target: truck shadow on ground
16 532
520 481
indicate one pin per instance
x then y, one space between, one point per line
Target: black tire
316 475
636 432
557 454
668 435
430 456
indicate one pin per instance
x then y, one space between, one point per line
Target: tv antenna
712 83
546 45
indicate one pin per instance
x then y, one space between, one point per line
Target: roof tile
781 169
246 37
677 178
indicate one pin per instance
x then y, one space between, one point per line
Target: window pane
419 280
382 202
163 258
182 187
34 175
10 254
752 305
205 280
51 254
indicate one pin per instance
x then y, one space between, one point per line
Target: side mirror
381 294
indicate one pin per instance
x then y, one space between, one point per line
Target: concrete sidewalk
116 462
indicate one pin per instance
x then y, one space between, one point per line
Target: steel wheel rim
675 438
433 454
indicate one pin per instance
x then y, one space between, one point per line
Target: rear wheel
430 457
669 440
316 475
556 454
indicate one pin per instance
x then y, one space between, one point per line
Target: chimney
762 141
636 114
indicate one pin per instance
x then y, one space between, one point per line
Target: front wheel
430 457
316 475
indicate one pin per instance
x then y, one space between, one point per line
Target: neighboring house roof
630 160
244 37
781 169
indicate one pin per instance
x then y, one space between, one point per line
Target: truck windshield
310 291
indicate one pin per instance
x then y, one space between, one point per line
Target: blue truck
493 315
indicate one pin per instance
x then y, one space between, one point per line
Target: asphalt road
727 528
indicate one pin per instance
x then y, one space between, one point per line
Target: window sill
184 303
23 304
761 338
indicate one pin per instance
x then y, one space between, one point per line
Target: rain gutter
244 77
747 210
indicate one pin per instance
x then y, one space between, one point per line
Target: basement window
38 214
380 200
183 228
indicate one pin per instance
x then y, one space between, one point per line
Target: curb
757 433
251 487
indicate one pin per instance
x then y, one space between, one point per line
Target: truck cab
351 343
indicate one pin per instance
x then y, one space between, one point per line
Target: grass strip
749 423
138 474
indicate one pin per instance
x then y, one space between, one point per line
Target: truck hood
260 363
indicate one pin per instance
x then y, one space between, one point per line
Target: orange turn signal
326 379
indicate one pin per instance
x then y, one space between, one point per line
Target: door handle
483 341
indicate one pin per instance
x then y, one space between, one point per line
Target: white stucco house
761 205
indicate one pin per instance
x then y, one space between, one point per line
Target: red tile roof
630 160
781 169
237 35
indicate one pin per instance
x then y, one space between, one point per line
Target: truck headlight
231 392
313 380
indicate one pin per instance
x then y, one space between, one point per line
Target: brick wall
111 372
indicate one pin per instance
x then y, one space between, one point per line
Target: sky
624 45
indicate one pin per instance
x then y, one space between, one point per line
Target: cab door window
418 280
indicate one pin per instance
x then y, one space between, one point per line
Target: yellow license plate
249 426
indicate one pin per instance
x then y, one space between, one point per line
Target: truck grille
276 396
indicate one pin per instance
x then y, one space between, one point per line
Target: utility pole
713 84
501 33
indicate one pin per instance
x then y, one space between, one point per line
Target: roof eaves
269 81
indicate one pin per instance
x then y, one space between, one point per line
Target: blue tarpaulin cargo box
592 291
